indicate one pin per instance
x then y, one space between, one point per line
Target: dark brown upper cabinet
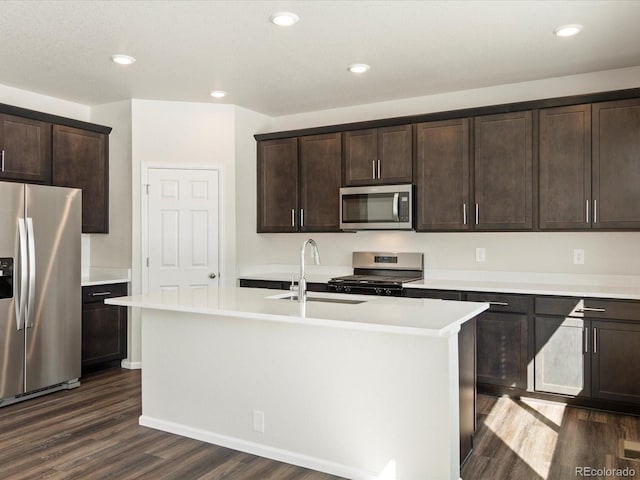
81 160
442 175
503 161
299 184
378 156
278 185
616 164
25 146
320 164
565 168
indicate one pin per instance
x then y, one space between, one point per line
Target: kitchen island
360 387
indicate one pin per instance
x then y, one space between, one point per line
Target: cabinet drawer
588 308
501 302
97 293
428 293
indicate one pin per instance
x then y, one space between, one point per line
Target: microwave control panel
403 207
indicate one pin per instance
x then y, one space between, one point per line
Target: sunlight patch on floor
541 420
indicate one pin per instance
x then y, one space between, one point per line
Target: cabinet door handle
590 309
499 304
3 160
586 339
302 217
379 169
293 217
595 340
100 294
477 215
464 213
373 169
587 211
595 211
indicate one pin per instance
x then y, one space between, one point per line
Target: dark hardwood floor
532 440
93 433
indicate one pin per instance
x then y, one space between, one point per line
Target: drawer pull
100 294
590 309
499 304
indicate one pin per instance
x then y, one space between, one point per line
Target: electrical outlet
578 256
481 254
258 421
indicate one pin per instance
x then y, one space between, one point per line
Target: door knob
212 275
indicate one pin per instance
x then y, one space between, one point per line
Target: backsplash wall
609 253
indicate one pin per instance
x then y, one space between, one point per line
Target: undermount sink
294 297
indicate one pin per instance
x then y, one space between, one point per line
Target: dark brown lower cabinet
562 358
104 327
588 348
614 363
502 342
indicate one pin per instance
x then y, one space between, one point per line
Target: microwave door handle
396 206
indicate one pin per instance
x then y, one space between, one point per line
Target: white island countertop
422 317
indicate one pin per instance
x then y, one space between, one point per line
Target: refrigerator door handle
32 273
21 297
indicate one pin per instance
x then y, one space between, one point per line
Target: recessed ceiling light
218 93
122 59
284 19
359 68
568 30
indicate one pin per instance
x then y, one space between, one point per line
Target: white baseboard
261 450
126 363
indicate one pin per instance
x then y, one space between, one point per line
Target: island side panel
351 403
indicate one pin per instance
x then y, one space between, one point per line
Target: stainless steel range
380 273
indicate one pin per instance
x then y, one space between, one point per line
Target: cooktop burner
375 279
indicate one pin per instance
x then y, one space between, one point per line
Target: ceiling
185 49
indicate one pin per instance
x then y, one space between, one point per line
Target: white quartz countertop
569 290
104 276
287 277
528 283
421 317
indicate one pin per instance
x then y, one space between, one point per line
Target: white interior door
183 229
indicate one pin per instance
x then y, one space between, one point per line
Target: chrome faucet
302 282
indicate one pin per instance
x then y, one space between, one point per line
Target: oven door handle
396 206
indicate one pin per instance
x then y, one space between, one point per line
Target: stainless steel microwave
385 207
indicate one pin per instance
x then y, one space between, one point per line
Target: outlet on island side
258 421
481 254
578 256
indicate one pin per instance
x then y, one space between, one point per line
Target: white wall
42 103
114 249
181 134
606 253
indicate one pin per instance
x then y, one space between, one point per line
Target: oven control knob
378 291
388 291
338 288
347 289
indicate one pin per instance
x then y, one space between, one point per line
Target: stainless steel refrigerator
40 292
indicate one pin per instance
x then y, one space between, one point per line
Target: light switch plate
481 254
